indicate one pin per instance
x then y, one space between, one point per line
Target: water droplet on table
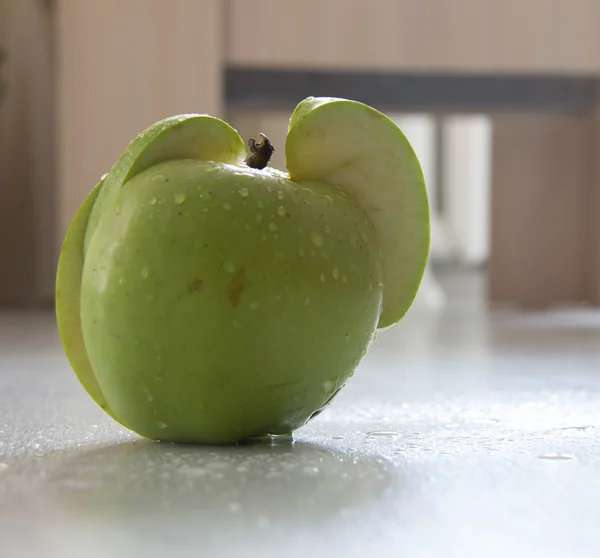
556 456
383 434
235 507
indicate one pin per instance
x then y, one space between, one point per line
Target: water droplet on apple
282 180
347 337
162 425
227 206
259 217
179 198
306 201
344 278
243 173
281 211
145 273
229 267
159 178
364 237
148 395
244 192
329 387
308 191
316 239
118 207
328 198
277 297
153 201
323 278
254 305
335 273
327 230
260 204
210 169
280 195
120 280
272 227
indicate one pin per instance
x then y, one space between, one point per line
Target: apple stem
259 153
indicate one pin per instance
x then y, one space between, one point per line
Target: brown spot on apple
195 285
236 287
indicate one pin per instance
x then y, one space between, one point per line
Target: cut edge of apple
190 136
358 149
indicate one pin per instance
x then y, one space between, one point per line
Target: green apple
203 297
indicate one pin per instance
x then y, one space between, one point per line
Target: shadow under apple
155 489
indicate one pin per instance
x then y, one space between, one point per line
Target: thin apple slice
360 150
190 136
68 303
185 136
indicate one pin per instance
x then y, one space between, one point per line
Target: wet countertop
461 434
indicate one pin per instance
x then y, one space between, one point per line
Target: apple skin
220 302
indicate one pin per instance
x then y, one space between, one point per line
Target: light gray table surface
461 434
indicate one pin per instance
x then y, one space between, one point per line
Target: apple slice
68 303
191 136
358 149
185 136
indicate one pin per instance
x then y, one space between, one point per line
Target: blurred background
498 99
470 428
